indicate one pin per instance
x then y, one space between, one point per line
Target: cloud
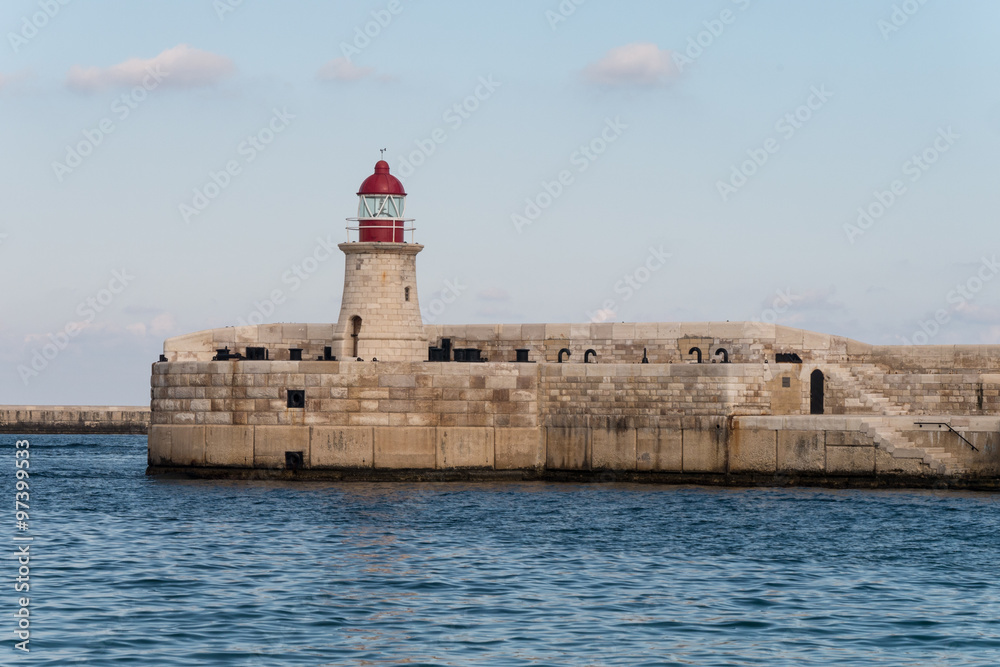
163 325
158 326
812 299
10 79
974 312
639 64
818 299
141 310
342 69
182 67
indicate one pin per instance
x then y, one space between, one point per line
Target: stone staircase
892 441
886 437
872 378
861 396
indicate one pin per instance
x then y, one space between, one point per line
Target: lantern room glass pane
397 207
380 206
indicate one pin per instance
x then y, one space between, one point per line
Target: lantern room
381 199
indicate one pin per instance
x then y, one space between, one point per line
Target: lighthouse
379 313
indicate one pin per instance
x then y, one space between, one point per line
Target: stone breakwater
779 406
74 419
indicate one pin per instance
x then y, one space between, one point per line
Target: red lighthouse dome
381 182
381 199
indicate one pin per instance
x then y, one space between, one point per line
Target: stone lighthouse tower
379 313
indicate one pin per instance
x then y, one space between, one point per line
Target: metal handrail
922 424
383 219
394 227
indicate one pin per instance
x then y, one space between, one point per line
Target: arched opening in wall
355 333
816 392
406 293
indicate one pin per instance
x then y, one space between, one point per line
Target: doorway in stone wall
355 334
816 392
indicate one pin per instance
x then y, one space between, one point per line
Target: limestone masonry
128 420
726 403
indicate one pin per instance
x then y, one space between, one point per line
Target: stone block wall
963 393
74 419
943 392
348 393
747 447
926 359
346 447
632 390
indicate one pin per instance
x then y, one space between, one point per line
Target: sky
176 166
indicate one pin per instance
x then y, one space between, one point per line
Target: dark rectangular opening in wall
293 460
786 382
256 353
295 354
816 382
787 358
296 398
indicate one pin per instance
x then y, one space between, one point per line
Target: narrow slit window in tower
355 333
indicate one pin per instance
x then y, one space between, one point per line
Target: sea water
135 570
